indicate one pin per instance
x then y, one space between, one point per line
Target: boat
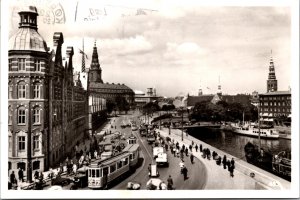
278 164
281 163
265 133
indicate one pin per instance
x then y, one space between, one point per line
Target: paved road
197 173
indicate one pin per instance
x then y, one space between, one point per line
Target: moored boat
266 133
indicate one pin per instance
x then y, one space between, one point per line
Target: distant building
141 98
100 93
47 109
274 103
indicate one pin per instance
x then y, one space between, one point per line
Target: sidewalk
219 178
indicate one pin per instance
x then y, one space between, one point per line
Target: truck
160 156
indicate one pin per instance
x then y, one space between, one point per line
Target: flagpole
76 11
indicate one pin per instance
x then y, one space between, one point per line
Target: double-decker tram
102 172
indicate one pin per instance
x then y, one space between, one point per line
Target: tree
122 104
110 105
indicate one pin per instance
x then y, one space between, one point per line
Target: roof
138 92
276 93
27 39
97 85
192 100
131 147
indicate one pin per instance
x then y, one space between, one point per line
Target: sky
174 47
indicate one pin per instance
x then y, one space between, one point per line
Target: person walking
232 163
36 175
186 151
190 147
21 175
196 148
224 162
12 177
192 158
170 183
200 146
231 169
181 165
184 172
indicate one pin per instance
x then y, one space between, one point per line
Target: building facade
141 99
99 93
47 112
274 103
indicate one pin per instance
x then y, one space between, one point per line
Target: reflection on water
234 144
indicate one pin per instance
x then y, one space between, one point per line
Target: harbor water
234 144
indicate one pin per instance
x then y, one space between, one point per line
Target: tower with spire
272 81
200 93
95 70
219 92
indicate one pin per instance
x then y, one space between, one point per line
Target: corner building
47 109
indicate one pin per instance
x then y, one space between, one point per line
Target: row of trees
119 103
223 111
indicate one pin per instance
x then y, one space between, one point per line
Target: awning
265 115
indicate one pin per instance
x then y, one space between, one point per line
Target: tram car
102 172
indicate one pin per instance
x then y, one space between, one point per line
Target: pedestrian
231 169
170 183
21 175
190 147
74 168
218 160
208 153
13 179
36 175
177 152
186 151
228 164
196 147
61 168
181 165
184 172
200 147
192 158
224 162
232 163
192 143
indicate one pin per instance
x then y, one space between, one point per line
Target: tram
103 172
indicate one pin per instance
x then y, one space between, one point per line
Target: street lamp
181 123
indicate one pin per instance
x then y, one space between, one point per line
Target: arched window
36 115
37 91
21 90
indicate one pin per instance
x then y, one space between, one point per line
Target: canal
233 144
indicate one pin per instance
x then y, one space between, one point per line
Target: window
21 90
9 64
10 91
36 91
38 65
36 116
112 168
97 173
21 116
130 156
275 103
21 143
126 161
283 109
36 142
21 64
279 104
9 143
120 164
21 165
9 115
36 165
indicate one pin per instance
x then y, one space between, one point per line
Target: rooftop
276 93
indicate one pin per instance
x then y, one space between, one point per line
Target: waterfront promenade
219 178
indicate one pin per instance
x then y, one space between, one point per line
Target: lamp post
181 123
258 127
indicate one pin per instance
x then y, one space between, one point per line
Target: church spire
271 82
95 70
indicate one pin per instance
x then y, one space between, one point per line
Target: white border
293 193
